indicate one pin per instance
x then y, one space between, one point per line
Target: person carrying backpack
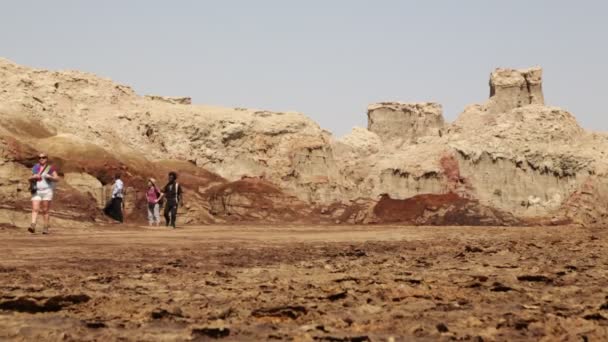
42 185
152 195
172 192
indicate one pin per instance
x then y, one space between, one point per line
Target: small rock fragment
441 327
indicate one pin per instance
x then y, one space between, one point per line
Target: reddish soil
450 167
305 283
439 209
253 199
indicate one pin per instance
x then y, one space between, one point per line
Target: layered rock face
404 121
510 88
94 128
511 160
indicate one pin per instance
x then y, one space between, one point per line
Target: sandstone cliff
511 160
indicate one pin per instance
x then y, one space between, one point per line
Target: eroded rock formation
510 88
511 160
171 100
404 121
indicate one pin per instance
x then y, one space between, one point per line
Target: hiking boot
45 230
32 228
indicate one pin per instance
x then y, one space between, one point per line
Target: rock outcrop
405 121
171 100
511 160
510 88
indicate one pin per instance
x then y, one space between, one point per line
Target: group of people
170 196
45 177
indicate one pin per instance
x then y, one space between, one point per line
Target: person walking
114 208
42 185
152 195
172 192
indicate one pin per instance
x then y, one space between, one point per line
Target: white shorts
43 195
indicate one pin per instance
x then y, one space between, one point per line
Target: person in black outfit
172 193
115 206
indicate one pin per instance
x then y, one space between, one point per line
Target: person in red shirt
152 195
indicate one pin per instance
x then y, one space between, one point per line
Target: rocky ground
305 283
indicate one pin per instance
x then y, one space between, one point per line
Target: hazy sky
327 59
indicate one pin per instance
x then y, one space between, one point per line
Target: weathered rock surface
252 199
172 100
87 184
510 88
511 160
405 121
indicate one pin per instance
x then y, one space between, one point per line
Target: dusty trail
342 283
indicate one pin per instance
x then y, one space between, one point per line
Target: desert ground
304 283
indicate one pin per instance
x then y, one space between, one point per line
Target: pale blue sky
327 59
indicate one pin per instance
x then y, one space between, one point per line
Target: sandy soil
346 283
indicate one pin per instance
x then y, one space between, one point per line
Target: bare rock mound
511 159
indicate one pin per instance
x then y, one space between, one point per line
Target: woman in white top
42 182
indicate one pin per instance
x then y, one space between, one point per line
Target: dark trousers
114 209
170 213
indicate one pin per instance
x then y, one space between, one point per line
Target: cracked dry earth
298 283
